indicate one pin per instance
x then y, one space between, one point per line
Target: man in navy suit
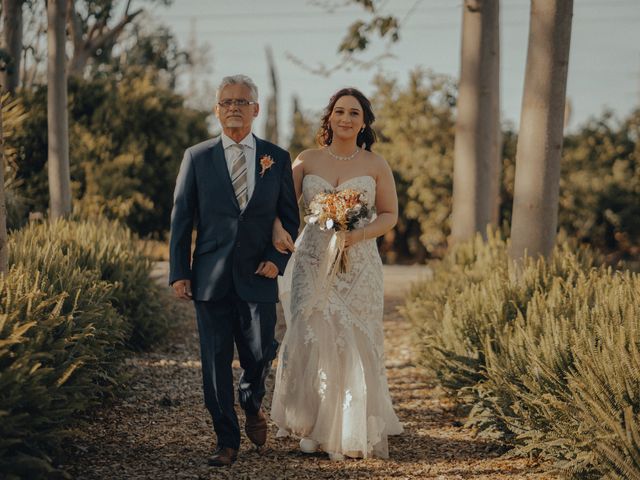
232 188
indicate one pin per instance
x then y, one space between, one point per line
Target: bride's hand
352 237
281 239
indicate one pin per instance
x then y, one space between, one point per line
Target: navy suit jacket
229 243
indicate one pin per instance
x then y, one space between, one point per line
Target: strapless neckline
341 183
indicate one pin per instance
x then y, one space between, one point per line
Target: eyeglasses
239 102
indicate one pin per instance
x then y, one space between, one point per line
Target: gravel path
161 430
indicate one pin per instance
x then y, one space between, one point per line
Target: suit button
240 218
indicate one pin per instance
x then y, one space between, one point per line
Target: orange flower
266 162
341 210
338 210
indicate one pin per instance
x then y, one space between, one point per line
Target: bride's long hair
365 138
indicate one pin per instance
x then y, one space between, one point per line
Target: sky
604 64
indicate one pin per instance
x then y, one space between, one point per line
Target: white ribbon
328 269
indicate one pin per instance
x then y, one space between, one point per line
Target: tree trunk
78 62
535 200
58 128
496 155
271 125
477 152
12 40
3 203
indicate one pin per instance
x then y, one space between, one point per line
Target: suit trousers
251 326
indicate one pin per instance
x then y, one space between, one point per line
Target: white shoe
308 445
336 457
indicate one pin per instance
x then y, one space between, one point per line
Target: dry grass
162 430
156 249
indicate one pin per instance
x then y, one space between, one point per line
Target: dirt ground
161 429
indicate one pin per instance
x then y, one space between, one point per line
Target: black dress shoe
223 457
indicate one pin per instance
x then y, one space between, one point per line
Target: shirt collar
248 142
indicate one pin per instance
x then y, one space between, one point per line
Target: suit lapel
259 153
222 172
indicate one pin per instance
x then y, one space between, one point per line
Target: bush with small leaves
547 363
115 254
77 296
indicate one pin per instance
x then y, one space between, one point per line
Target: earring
362 130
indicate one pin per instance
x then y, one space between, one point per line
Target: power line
434 26
288 14
360 13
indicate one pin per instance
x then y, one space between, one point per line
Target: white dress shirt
249 146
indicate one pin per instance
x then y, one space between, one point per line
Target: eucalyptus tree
476 171
271 126
90 30
477 165
57 114
12 43
3 203
537 177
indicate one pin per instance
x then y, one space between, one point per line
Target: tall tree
303 134
3 203
271 126
57 115
477 140
95 28
476 197
359 35
33 65
535 202
12 40
91 33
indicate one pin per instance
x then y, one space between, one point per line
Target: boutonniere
266 162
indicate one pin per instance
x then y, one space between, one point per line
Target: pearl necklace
341 158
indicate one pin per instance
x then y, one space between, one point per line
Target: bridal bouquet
340 211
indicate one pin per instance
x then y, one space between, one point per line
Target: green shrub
114 253
600 184
127 136
77 296
606 378
57 355
547 372
13 116
548 363
415 125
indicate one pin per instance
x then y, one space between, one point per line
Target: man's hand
182 289
267 269
281 239
283 242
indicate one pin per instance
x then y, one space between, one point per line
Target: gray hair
239 80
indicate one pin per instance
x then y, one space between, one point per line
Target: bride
331 388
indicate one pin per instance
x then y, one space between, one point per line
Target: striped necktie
239 176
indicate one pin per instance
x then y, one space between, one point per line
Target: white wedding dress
331 384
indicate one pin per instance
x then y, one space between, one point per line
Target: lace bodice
314 184
363 256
